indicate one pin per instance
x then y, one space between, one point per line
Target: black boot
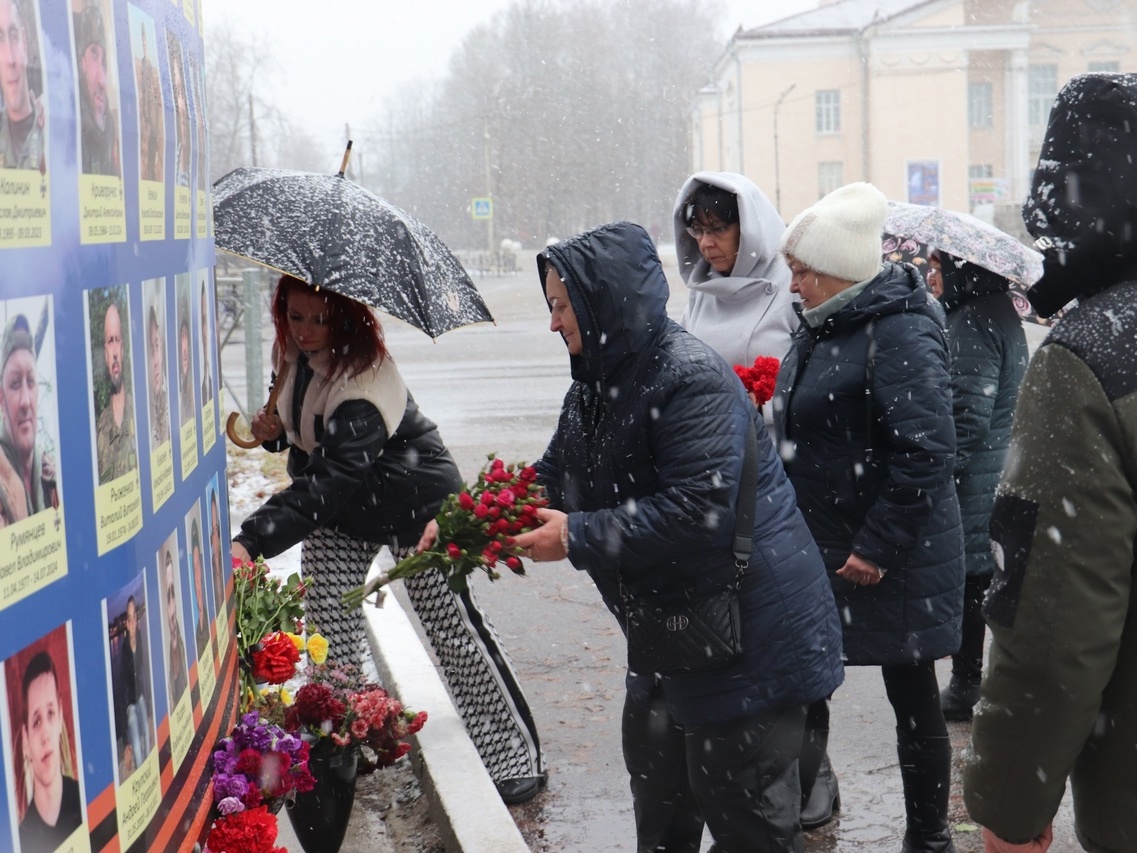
820 797
925 768
959 698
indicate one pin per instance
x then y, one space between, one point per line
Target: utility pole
489 188
777 171
252 129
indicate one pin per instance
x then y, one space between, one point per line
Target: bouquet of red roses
760 378
476 530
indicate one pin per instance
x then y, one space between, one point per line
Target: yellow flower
286 697
317 649
297 641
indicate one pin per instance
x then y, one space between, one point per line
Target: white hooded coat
749 312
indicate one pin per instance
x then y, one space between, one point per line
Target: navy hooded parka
646 461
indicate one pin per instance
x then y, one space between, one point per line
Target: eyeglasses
714 232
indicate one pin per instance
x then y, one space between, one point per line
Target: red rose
481 510
453 551
276 661
465 501
494 512
487 497
490 556
497 465
528 474
514 565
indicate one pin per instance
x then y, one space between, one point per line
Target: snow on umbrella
967 238
331 232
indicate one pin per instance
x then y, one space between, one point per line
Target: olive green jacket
1059 699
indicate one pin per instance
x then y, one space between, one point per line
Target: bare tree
245 128
568 112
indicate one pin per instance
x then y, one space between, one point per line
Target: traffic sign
481 208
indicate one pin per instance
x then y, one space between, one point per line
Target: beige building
935 101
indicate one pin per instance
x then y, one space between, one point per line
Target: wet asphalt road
499 389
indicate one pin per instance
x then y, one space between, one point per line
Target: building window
1042 87
980 171
980 105
830 176
828 103
1108 66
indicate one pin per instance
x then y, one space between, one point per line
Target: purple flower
229 805
226 785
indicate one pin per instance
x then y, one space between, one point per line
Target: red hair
357 337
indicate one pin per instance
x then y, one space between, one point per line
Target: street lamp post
777 173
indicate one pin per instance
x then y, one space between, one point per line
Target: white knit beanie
840 235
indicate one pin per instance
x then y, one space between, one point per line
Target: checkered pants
478 671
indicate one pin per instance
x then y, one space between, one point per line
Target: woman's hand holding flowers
548 542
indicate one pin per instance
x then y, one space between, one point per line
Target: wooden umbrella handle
270 406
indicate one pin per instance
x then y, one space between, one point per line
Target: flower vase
319 817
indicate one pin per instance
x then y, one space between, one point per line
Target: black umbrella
331 232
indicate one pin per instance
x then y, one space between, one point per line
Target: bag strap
747 497
744 511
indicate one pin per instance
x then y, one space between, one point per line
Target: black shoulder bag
694 633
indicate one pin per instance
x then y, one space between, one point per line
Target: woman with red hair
369 469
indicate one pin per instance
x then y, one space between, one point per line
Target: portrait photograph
197 85
100 134
29 410
179 91
131 682
173 624
116 445
200 604
218 576
183 348
148 86
157 363
23 116
43 756
207 346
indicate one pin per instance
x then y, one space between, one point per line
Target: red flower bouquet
249 831
476 528
267 607
760 378
255 770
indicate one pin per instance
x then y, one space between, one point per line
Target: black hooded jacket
863 415
988 358
646 461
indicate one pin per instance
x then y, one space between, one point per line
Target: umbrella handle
270 406
346 157
235 437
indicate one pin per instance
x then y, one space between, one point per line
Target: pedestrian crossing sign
482 208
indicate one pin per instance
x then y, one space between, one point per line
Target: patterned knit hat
840 235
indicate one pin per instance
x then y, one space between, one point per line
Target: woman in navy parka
643 472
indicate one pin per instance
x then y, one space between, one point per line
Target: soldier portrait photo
116 440
93 29
22 116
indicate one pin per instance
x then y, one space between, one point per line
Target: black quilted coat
646 461
988 358
863 416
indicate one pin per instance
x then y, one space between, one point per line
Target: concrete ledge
464 803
